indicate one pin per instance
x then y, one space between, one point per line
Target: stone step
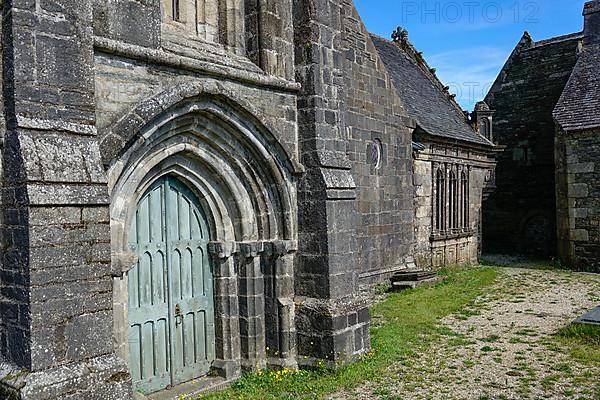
413 275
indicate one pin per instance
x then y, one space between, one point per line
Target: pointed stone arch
245 181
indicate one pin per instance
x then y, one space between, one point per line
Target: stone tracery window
451 200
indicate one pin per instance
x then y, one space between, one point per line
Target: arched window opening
215 21
175 6
440 206
485 129
453 199
464 183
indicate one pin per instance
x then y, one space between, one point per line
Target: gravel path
501 346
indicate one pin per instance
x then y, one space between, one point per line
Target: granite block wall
56 271
578 194
374 116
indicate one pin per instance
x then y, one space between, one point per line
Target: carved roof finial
400 35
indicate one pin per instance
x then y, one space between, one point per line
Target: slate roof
579 104
424 97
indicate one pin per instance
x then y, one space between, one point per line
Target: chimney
591 30
481 119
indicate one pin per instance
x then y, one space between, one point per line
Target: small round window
376 153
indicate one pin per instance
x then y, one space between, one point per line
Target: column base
101 378
282 363
228 369
254 364
333 332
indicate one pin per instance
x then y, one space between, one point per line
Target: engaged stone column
280 308
227 328
252 306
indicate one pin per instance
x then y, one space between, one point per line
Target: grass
582 341
408 324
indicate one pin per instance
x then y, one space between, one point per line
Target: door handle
178 315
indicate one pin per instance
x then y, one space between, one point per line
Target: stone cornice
205 67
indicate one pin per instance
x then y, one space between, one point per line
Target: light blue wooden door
171 307
191 284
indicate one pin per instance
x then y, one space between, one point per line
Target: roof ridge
557 39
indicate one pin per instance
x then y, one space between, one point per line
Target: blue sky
468 41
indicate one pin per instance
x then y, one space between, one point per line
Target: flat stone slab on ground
591 318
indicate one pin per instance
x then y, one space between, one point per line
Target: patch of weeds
382 392
526 332
549 381
491 339
487 349
516 339
562 367
382 288
582 342
468 313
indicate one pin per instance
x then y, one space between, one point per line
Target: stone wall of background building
520 214
578 194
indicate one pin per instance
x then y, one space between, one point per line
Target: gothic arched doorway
240 181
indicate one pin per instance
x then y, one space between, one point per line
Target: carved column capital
251 249
222 250
280 248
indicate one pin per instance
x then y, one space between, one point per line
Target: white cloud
469 71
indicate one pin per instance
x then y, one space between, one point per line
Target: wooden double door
171 303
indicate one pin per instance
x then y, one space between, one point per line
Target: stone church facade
197 188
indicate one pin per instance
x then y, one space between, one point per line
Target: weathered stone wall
520 214
332 321
123 84
578 195
449 249
423 183
373 114
56 303
355 217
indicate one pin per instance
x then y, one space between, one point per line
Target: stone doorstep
413 275
415 284
190 389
